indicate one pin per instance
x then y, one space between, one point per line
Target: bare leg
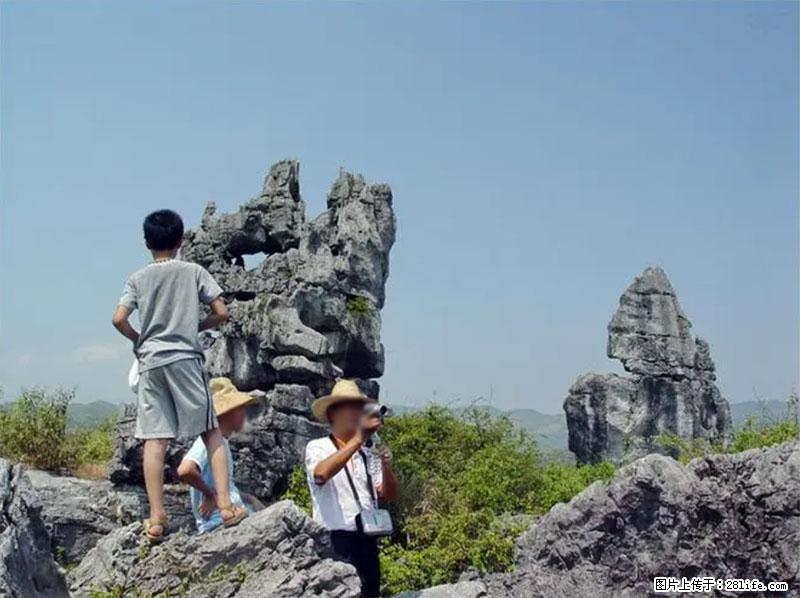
153 466
219 465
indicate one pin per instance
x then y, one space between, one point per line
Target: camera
376 410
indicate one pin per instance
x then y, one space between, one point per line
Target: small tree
33 428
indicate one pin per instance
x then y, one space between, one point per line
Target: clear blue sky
541 155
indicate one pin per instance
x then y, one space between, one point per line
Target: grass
359 306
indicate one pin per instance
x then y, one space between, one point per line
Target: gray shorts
174 401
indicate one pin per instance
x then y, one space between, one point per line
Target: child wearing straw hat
230 406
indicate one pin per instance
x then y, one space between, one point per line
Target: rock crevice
27 567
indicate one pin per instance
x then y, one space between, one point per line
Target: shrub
754 433
90 446
467 482
562 481
297 490
33 428
358 306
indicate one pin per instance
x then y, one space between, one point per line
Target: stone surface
308 313
277 552
724 516
27 567
77 513
462 589
670 387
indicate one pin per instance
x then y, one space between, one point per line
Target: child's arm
218 315
121 323
189 473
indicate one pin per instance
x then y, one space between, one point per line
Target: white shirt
333 503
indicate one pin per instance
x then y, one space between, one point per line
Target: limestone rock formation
27 568
78 513
308 313
724 516
671 387
278 552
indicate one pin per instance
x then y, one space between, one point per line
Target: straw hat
343 391
226 396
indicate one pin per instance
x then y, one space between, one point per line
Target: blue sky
541 155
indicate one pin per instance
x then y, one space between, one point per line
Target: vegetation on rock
755 432
34 430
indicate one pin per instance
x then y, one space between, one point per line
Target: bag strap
372 493
350 477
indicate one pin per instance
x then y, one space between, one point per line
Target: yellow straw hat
343 391
226 396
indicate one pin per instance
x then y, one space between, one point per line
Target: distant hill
86 415
761 410
550 430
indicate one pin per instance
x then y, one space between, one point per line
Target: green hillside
89 415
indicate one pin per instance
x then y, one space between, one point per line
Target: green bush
562 481
757 434
754 433
297 490
33 430
469 485
90 446
358 306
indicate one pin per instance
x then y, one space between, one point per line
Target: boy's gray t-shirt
168 296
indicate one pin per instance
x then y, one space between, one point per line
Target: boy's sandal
155 535
232 515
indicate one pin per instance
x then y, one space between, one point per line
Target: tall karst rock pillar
670 387
308 313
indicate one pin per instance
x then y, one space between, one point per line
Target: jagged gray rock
724 516
461 589
277 552
671 387
308 313
27 568
77 513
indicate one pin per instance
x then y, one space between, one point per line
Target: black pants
362 552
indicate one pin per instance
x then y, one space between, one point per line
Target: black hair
163 230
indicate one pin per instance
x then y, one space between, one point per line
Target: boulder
461 589
27 567
670 387
78 513
724 516
276 552
307 314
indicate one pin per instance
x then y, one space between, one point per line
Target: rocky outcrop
78 513
723 517
27 568
670 387
277 552
309 312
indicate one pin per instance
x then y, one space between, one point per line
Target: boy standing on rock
173 392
